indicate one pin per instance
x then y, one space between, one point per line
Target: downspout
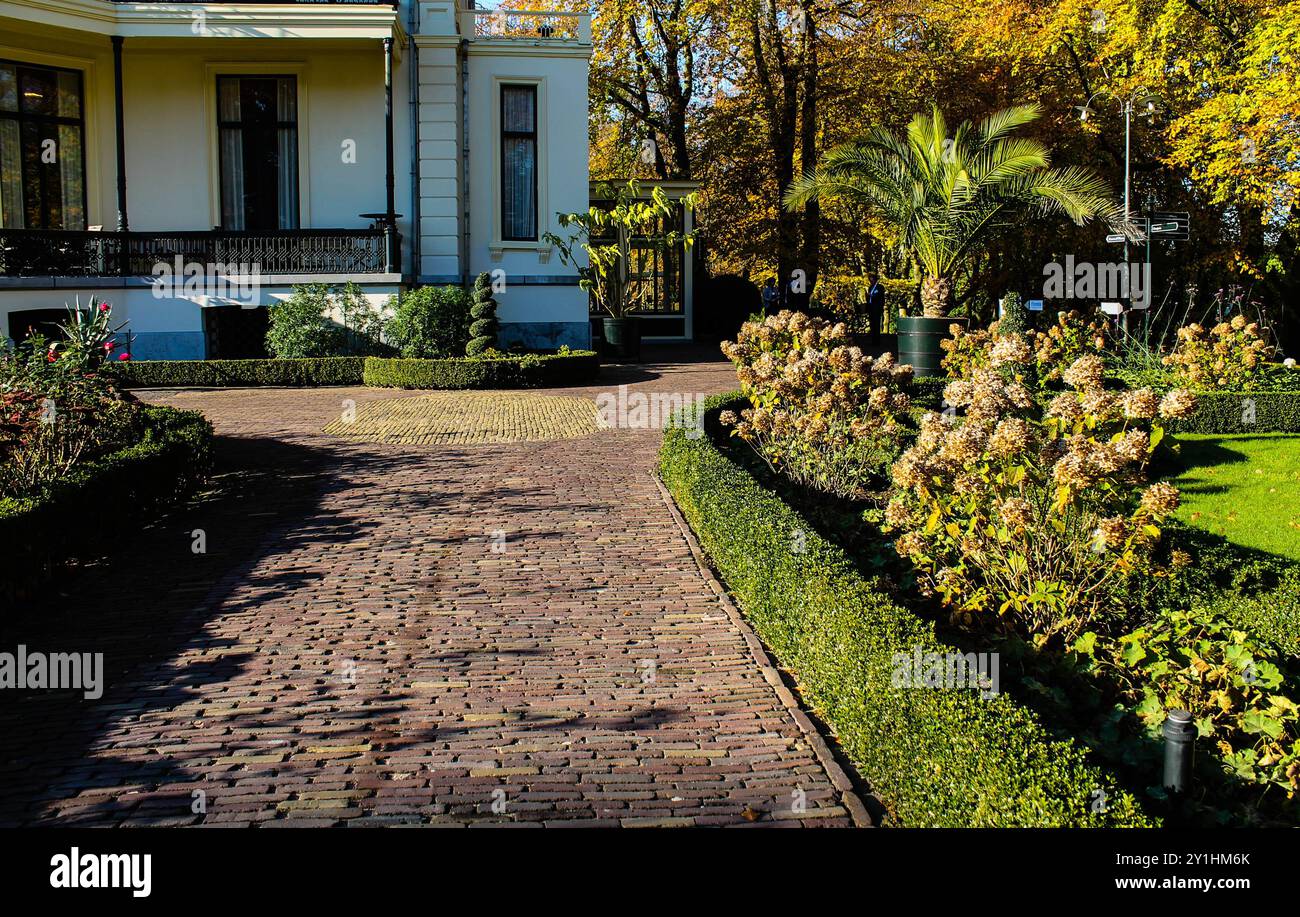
414 64
462 51
119 114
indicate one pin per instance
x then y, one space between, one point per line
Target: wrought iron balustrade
60 253
537 25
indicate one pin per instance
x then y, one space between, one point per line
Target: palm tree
943 195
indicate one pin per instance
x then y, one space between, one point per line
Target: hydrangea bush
823 413
1032 517
1231 356
1071 336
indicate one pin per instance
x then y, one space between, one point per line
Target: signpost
1171 225
1167 224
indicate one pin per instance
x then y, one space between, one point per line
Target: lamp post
1138 96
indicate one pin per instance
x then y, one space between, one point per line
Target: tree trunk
936 296
810 246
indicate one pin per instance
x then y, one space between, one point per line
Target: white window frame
296 69
93 150
498 246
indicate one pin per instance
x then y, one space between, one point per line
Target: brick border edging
839 779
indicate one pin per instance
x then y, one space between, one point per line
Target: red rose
104 307
124 356
108 346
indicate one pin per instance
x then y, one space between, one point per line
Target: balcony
537 26
28 253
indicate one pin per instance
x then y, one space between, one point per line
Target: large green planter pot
919 337
623 337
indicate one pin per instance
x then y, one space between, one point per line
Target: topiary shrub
429 322
483 332
1015 317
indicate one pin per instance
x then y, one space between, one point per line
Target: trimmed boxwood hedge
220 373
1228 412
102 500
527 371
936 758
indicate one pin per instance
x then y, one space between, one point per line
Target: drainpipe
414 65
390 222
462 51
123 220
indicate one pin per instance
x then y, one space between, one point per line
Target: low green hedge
1242 412
527 371
223 373
103 500
936 758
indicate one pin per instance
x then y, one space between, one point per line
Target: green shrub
1232 684
363 324
937 758
483 332
102 500
1242 412
239 373
304 326
529 371
1272 615
429 322
1015 317
300 326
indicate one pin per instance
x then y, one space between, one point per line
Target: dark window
519 163
42 154
258 121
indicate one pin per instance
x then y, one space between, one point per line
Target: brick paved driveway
352 649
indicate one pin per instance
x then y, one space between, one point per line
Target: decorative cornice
221 20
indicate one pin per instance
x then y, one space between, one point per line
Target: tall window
258 122
519 163
42 158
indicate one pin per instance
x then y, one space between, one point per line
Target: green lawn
1245 488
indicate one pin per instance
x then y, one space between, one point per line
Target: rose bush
56 408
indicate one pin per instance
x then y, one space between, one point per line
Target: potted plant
943 196
606 236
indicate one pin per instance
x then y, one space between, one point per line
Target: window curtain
42 155
287 143
519 162
11 176
72 190
232 156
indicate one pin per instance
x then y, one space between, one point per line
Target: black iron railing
58 253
